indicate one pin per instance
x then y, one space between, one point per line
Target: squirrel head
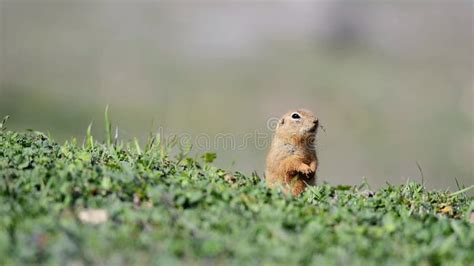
298 124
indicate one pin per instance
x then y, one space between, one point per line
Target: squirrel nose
316 122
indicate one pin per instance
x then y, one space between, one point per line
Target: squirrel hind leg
298 187
296 183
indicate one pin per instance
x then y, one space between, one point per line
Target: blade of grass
462 191
151 137
4 123
459 187
89 138
116 136
457 184
150 142
421 173
137 146
365 184
108 127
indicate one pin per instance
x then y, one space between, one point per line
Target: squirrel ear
282 121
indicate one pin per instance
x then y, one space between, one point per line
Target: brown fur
292 161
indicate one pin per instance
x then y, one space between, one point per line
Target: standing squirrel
292 159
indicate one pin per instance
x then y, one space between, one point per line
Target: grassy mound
119 204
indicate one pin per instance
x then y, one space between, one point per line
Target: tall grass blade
116 136
421 173
137 146
4 123
89 138
462 191
108 127
150 142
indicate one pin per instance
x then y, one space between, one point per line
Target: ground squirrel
292 159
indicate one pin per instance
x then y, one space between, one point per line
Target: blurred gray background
392 81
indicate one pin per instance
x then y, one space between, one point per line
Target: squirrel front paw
305 169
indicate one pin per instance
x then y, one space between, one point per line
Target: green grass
169 210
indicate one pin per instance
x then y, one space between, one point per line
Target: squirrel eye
295 116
